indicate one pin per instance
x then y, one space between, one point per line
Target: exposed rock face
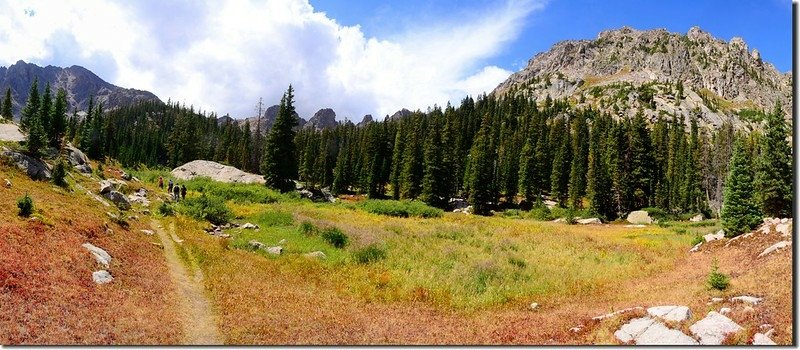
366 120
713 329
648 331
79 83
267 120
77 159
324 118
216 171
35 168
720 78
400 114
670 313
11 132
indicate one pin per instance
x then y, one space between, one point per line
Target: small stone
589 221
725 310
8 183
317 254
748 310
783 229
102 277
282 242
697 218
256 244
715 236
576 329
249 226
635 226
533 306
747 299
717 300
102 257
762 339
275 250
696 248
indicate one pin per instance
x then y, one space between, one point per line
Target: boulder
714 236
106 186
774 247
762 339
83 168
670 313
639 217
102 257
747 299
274 250
102 277
647 331
215 171
328 195
256 244
125 176
35 168
119 199
697 218
317 255
249 226
77 159
589 221
635 226
713 329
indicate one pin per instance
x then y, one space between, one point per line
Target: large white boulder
714 236
639 217
647 331
215 171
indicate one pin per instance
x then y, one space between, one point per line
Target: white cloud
224 56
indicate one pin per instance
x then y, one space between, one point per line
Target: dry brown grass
47 295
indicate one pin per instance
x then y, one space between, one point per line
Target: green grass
401 209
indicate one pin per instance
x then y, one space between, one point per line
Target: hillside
79 82
658 71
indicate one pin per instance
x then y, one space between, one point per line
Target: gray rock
274 250
714 236
784 229
249 226
725 310
589 221
83 168
256 244
75 156
774 247
125 176
35 168
670 313
747 299
7 183
119 199
696 248
713 329
762 339
215 171
147 232
102 277
102 257
697 218
647 331
639 217
317 255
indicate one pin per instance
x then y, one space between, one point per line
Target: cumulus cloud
223 56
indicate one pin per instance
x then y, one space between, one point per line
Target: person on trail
183 192
176 192
161 182
169 188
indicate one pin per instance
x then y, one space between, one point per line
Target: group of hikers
177 192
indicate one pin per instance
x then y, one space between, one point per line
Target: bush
511 213
25 205
697 239
335 237
165 209
369 254
60 173
207 207
540 213
658 214
308 229
401 209
716 279
99 171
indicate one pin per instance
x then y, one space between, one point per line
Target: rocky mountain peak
323 119
660 72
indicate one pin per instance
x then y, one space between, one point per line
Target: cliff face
660 72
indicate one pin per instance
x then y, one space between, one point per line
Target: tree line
509 152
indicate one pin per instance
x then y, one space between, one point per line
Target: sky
355 56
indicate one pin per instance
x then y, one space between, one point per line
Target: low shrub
369 254
25 205
697 239
59 173
401 209
335 237
540 213
717 280
520 263
207 207
511 213
238 193
308 229
658 214
165 209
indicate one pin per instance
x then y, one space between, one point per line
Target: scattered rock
119 199
774 247
716 300
7 183
317 255
102 277
697 218
748 310
559 220
784 229
256 244
35 168
696 247
647 331
125 176
589 221
102 257
713 329
534 306
762 339
576 329
147 232
714 236
249 226
458 203
639 217
670 313
275 250
725 310
747 299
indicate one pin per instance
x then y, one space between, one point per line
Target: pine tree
692 190
279 164
773 179
411 173
598 181
580 160
481 172
32 106
58 119
642 163
46 110
740 212
397 161
434 191
37 138
245 146
6 112
559 177
527 168
341 174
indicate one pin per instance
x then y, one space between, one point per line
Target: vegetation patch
207 207
401 209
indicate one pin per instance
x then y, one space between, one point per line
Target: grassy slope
460 279
46 291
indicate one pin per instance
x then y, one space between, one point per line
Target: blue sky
764 24
355 56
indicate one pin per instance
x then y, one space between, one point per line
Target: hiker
183 192
161 182
169 189
176 192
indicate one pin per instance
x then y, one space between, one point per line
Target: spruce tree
6 112
580 160
527 168
598 181
481 172
279 164
411 173
559 177
434 191
58 118
773 179
397 161
642 163
341 173
46 110
740 212
32 106
245 146
37 138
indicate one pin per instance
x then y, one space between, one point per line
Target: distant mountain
662 73
80 83
366 120
324 118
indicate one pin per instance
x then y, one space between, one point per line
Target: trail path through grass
199 324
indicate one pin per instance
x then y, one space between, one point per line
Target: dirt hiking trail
199 324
